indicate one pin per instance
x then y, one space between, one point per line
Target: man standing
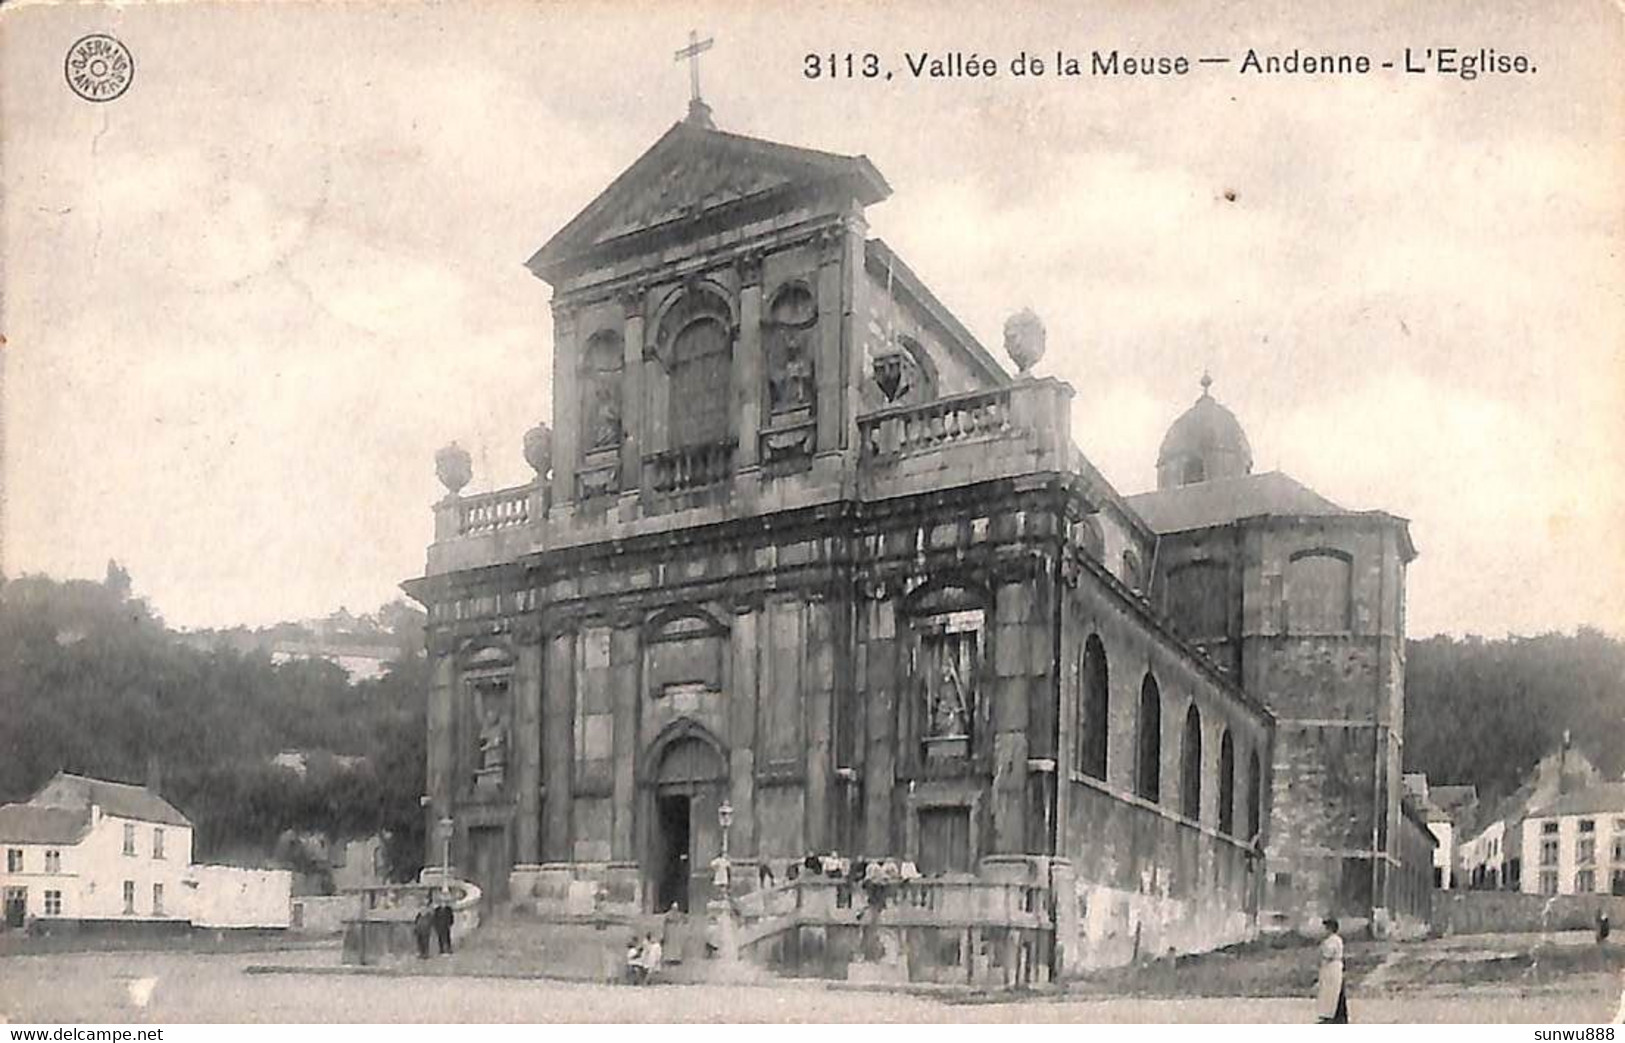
443 918
422 926
1331 999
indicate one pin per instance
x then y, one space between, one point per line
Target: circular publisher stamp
98 67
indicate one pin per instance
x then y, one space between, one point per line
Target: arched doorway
690 780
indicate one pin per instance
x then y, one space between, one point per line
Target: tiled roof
1225 500
115 798
1605 798
32 824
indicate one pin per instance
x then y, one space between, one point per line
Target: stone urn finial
539 450
454 467
1024 339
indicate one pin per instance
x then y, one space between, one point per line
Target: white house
86 849
1576 843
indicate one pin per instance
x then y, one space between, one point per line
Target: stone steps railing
932 425
690 467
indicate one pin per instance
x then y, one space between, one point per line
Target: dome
1205 443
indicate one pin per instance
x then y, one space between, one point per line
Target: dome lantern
1206 443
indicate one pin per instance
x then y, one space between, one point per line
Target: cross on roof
692 52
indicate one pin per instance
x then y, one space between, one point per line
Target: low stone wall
577 889
323 914
1492 912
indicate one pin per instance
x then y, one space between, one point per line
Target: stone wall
1495 912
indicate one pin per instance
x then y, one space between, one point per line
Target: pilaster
748 380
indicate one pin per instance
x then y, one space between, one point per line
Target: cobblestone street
181 988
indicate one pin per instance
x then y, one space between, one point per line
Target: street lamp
725 819
445 850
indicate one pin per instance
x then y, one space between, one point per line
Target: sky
245 302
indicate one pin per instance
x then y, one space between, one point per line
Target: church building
805 571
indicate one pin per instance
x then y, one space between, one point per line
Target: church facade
805 571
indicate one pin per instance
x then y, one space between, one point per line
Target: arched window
1227 784
1093 710
1318 592
1255 796
1148 753
701 376
601 391
1190 766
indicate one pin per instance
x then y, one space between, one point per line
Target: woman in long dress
1331 999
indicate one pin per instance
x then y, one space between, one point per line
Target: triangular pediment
694 171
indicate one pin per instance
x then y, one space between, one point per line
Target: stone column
1010 682
656 387
566 405
441 766
557 756
632 404
880 687
818 690
748 363
625 655
743 687
527 730
833 308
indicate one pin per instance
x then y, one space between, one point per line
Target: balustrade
933 425
690 467
488 512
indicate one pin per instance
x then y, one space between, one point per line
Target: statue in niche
493 744
949 701
601 391
604 425
790 373
492 754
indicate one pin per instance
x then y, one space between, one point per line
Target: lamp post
446 825
722 907
725 819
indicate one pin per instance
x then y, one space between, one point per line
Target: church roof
33 824
1204 429
119 799
695 169
1224 500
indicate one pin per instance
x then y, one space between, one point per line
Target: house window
129 897
1619 849
1585 850
1148 753
1588 825
53 903
1548 882
1227 784
14 860
1093 710
1190 768
1585 881
157 843
1548 852
158 899
53 861
1619 883
1548 827
129 838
